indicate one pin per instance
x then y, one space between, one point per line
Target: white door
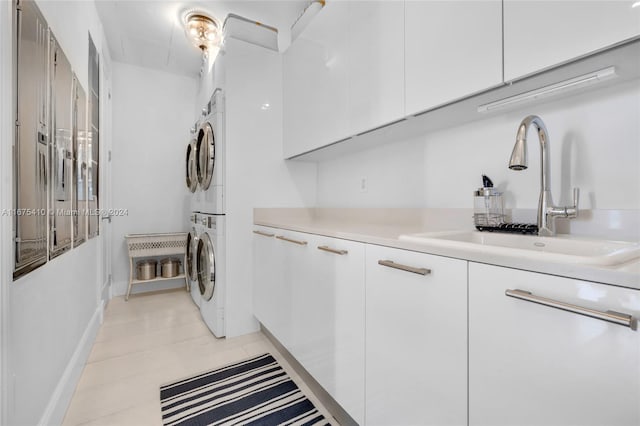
416 338
332 320
294 250
452 49
541 34
268 274
531 364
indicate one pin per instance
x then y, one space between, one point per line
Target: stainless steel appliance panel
93 140
80 165
31 138
61 154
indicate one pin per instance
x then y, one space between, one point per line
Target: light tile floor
153 339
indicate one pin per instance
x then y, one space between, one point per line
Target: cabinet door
530 364
344 74
376 64
270 297
315 83
452 49
416 339
540 34
328 320
293 249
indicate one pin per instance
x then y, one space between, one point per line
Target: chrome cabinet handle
392 264
334 251
283 238
610 316
264 234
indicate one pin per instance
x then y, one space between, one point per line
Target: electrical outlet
363 184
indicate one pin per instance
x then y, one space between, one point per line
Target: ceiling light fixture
204 32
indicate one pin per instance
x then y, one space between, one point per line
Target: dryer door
206 265
190 169
206 155
192 247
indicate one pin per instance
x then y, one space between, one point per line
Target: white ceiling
149 33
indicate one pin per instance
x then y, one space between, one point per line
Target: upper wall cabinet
315 83
344 74
376 64
453 49
541 34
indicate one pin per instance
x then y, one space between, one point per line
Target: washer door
206 265
192 246
190 169
206 155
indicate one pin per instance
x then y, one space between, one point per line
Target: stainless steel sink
563 248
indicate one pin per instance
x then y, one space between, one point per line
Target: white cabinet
416 339
309 293
530 364
452 49
281 264
540 34
271 293
328 320
376 64
315 83
344 74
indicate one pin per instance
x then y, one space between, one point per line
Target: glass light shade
203 31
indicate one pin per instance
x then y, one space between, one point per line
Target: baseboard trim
327 400
61 397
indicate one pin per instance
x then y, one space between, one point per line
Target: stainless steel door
62 90
31 139
93 142
206 266
206 154
80 165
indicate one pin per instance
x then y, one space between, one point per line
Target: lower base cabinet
531 364
416 338
328 320
271 289
405 338
309 293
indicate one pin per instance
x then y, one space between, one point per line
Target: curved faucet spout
518 161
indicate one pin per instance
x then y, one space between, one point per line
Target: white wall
51 314
6 193
594 139
152 115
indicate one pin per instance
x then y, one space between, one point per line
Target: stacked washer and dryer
242 90
205 162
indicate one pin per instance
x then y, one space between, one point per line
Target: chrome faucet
547 212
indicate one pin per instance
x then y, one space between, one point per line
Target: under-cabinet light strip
551 90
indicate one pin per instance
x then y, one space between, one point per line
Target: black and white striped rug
256 391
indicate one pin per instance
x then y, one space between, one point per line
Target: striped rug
256 391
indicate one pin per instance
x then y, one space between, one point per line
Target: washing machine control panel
209 222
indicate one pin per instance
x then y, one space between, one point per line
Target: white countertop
384 226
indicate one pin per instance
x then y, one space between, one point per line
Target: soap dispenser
488 205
